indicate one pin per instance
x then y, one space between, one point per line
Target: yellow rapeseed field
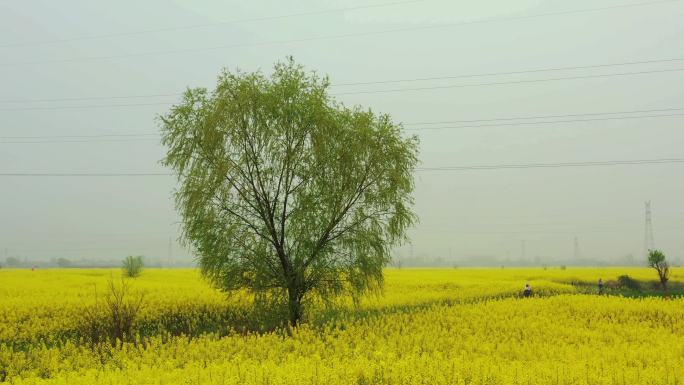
428 326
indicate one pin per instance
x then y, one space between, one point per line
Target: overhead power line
206 25
405 80
76 136
83 107
83 141
82 98
83 174
543 116
554 165
528 81
508 82
494 122
482 74
343 36
100 138
545 122
445 168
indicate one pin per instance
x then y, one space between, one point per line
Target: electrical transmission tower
576 253
649 243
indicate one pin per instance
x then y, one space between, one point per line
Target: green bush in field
628 282
132 266
64 263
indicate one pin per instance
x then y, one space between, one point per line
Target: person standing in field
528 290
600 286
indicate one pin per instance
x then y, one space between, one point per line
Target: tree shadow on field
117 317
337 318
97 325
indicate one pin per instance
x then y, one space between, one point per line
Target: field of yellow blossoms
429 326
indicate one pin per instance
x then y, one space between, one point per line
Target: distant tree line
63 262
492 261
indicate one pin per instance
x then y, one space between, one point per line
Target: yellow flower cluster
450 326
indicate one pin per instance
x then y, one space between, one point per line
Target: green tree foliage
12 262
132 266
656 260
285 192
628 282
64 263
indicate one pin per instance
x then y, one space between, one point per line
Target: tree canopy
285 192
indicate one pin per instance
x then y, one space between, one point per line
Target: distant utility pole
649 243
170 250
522 250
576 253
411 250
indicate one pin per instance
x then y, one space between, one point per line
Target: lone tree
64 263
283 191
656 260
132 266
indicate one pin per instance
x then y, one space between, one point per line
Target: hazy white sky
463 213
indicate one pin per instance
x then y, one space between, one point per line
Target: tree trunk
294 305
663 279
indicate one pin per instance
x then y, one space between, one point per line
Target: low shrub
113 319
627 282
